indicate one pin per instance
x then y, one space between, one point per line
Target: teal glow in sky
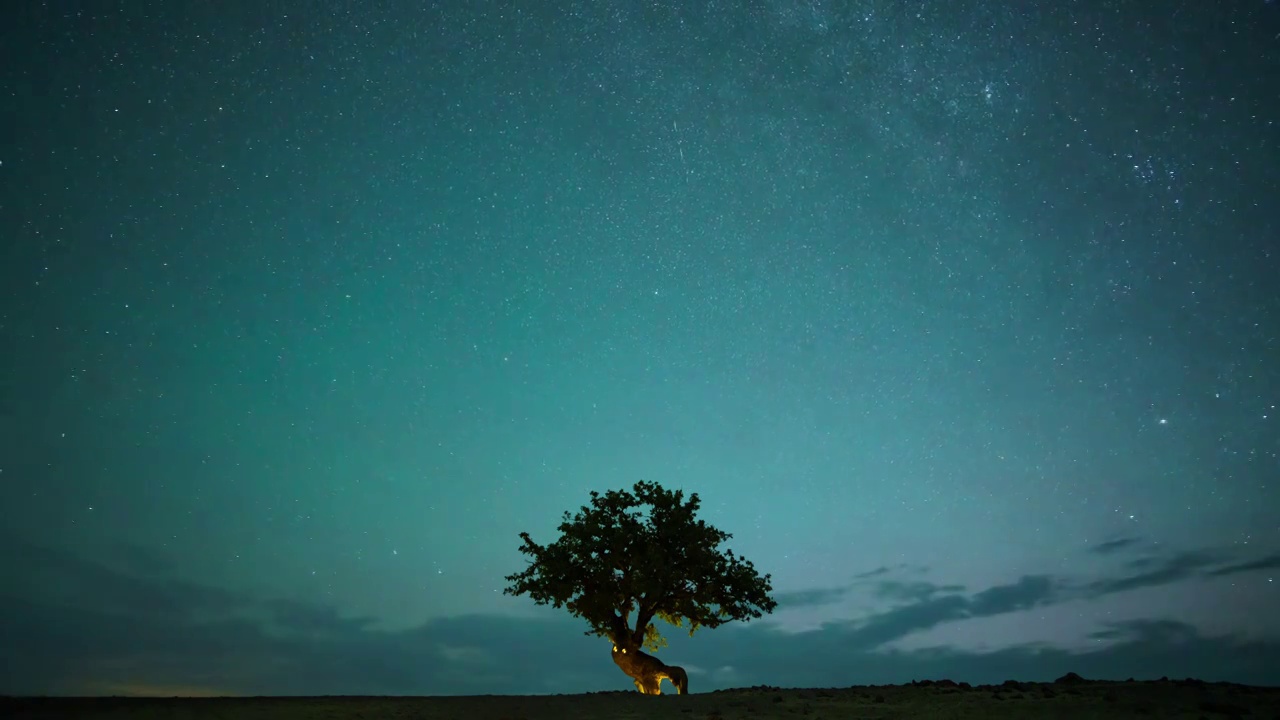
963 320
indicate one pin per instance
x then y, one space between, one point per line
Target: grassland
1070 697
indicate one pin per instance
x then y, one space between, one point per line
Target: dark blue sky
961 317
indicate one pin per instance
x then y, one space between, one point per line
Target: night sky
962 317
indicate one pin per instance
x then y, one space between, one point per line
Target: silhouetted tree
619 570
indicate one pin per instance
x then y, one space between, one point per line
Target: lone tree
619 570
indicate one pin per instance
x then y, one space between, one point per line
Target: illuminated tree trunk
648 672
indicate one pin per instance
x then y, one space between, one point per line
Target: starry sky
961 317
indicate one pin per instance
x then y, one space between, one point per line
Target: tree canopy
619 569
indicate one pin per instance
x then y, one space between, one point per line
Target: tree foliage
619 569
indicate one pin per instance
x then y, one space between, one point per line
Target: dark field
1067 698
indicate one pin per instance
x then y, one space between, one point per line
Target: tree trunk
647 671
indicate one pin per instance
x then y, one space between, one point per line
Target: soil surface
1068 697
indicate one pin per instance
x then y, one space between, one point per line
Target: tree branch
647 610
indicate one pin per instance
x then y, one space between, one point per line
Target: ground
1069 697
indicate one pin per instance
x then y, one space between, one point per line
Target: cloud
885 589
1167 648
927 605
467 655
57 577
914 591
901 621
1164 568
1270 562
309 619
882 570
1154 571
810 598
1026 593
1113 546
57 638
1164 632
138 560
920 605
